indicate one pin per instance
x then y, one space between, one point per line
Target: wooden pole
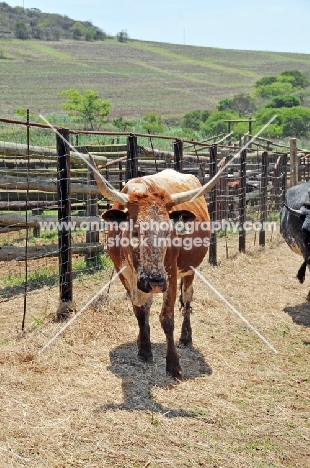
178 155
64 217
213 206
263 212
132 158
284 177
242 201
293 162
92 235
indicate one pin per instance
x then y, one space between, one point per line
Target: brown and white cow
143 237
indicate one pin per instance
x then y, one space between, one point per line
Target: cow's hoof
175 372
145 358
185 342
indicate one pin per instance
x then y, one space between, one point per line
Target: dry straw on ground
88 402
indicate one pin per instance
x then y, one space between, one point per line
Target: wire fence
51 234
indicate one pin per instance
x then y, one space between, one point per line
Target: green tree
20 30
86 106
152 123
296 122
296 78
284 101
215 124
122 124
122 36
266 80
90 33
274 89
193 119
77 30
293 122
243 103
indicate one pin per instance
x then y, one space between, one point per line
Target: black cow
295 224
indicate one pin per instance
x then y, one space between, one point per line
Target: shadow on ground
300 314
138 379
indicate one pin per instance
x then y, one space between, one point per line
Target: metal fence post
178 155
132 158
213 206
263 201
64 218
242 201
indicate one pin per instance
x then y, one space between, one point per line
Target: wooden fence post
213 206
64 218
293 162
178 155
132 157
263 198
92 234
284 177
242 201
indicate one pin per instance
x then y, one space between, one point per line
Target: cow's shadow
139 379
300 314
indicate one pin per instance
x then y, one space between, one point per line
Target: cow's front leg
144 342
167 322
185 300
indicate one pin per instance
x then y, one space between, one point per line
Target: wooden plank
9 253
10 219
43 186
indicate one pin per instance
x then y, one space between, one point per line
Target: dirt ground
86 401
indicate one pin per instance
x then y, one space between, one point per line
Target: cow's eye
135 234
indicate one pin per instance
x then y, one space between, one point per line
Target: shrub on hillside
284 101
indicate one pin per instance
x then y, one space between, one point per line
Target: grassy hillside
137 77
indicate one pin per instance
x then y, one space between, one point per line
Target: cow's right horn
108 192
294 212
190 195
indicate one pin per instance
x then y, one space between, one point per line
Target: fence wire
32 185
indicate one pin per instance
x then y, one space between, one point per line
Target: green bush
152 123
296 78
266 80
215 124
243 103
284 101
293 122
193 119
274 89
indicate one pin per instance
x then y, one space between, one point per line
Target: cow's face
146 232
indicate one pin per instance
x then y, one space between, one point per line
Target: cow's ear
115 216
182 215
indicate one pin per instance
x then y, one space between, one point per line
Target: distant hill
32 23
136 76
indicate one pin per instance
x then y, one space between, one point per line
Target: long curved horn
109 193
199 192
294 212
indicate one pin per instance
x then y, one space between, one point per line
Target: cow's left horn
108 192
183 197
294 212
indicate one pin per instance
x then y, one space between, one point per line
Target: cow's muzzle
152 284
